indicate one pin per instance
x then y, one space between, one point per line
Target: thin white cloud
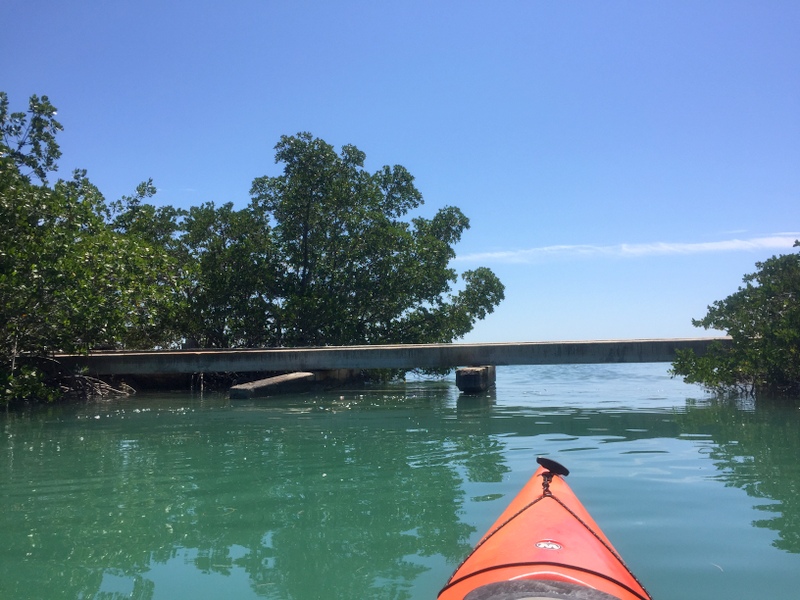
781 241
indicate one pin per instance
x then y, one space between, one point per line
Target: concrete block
299 381
472 380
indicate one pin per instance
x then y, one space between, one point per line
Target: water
379 492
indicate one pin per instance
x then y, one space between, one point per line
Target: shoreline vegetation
325 253
762 319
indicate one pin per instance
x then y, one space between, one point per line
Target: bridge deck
384 357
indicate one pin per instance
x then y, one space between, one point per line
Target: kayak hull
545 535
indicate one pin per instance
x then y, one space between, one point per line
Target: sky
623 164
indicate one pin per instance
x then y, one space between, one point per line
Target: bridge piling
473 380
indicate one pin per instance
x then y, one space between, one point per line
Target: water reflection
304 493
756 448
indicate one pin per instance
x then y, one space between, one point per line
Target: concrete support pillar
472 380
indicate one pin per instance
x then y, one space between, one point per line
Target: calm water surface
380 492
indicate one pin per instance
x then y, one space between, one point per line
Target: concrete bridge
409 356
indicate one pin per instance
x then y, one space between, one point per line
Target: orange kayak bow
544 546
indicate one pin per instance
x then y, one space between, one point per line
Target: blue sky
623 164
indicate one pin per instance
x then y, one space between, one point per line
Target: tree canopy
763 320
28 139
67 280
353 271
325 253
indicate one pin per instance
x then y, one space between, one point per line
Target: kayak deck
544 545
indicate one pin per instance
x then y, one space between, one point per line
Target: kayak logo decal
548 545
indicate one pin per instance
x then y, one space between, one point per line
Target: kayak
545 545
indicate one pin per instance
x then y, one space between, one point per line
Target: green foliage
26 383
68 281
29 139
763 320
157 229
321 256
232 287
353 270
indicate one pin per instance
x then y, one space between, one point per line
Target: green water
379 492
